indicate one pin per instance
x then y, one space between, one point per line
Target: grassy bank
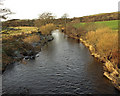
23 42
102 40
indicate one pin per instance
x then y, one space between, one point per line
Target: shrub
93 36
32 39
107 44
82 29
105 40
71 30
46 30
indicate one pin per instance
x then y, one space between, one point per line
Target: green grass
78 25
113 24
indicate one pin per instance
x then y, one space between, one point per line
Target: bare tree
4 11
65 15
46 15
44 18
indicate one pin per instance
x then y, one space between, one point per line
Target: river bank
111 71
21 47
64 66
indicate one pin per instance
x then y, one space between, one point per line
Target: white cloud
29 9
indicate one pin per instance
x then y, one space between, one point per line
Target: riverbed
64 66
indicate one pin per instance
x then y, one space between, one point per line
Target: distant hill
18 22
99 17
91 18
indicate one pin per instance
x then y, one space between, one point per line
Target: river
64 66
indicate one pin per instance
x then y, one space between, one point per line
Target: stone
109 66
108 76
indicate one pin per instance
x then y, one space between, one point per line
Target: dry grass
18 31
105 41
102 38
32 39
47 29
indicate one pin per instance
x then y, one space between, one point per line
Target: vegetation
44 18
24 38
44 24
18 22
32 39
15 46
98 17
19 42
113 24
4 12
46 30
60 21
105 41
17 31
103 36
102 40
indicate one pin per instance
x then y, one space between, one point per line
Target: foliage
102 38
46 30
44 18
105 41
46 15
33 23
82 29
65 15
32 39
17 43
108 43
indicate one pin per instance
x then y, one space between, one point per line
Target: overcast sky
30 9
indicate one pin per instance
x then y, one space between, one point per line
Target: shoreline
31 54
110 71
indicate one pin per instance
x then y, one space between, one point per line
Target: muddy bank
18 49
111 71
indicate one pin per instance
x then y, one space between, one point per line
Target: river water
64 66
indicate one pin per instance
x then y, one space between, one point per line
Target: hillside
99 17
91 18
113 24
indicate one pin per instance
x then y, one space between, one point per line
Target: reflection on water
64 66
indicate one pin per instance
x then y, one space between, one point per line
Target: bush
82 29
108 44
105 40
32 39
46 30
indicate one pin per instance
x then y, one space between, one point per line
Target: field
113 24
17 31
